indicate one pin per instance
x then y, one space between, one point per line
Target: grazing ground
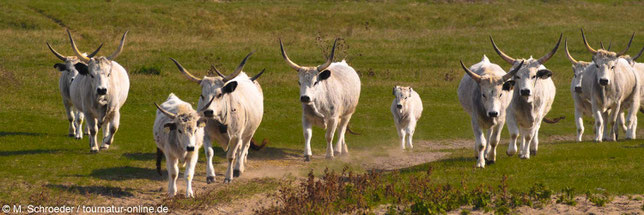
416 43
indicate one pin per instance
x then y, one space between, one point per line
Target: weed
148 70
541 194
567 196
600 198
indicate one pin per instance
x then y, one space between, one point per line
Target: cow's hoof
210 179
227 181
236 173
533 152
480 165
489 162
78 138
307 158
93 151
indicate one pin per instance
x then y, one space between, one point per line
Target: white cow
329 94
485 93
616 86
178 132
102 88
234 116
406 109
639 68
68 73
531 101
580 90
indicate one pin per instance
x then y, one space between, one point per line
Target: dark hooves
93 151
236 173
489 162
307 158
227 181
210 179
533 152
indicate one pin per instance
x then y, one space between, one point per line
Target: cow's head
493 88
99 69
216 88
578 69
533 70
67 68
310 78
402 95
186 124
605 61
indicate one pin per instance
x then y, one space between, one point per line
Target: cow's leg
191 160
340 145
614 131
80 117
479 147
210 169
401 136
93 129
241 159
70 117
631 132
599 124
113 126
172 164
534 145
411 128
330 131
525 142
494 139
579 121
230 155
514 135
308 133
621 121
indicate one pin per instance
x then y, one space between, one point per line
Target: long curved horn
206 105
610 44
638 54
601 45
165 112
58 55
547 57
627 46
288 61
119 49
469 72
505 57
572 59
186 73
95 52
511 73
238 69
257 76
213 68
330 59
78 53
590 49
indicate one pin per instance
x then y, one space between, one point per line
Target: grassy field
389 43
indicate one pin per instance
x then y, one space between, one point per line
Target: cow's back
342 91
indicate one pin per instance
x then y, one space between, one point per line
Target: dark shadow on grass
126 173
19 133
140 156
454 161
641 145
29 152
98 190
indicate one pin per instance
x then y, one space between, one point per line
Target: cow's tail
350 131
553 121
256 147
159 157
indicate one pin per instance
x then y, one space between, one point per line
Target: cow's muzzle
603 82
101 91
399 106
493 114
524 92
208 113
190 148
305 99
578 89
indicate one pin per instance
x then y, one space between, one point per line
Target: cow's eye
179 130
92 76
299 84
517 77
500 94
612 67
484 96
201 96
219 95
316 83
597 65
108 74
534 76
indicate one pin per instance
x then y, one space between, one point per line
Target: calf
406 109
178 132
485 93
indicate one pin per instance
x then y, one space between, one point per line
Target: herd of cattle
230 108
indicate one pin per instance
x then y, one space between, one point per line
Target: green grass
415 43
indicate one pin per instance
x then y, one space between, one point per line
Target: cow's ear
324 75
61 67
202 122
170 126
544 73
508 85
81 68
393 91
230 87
